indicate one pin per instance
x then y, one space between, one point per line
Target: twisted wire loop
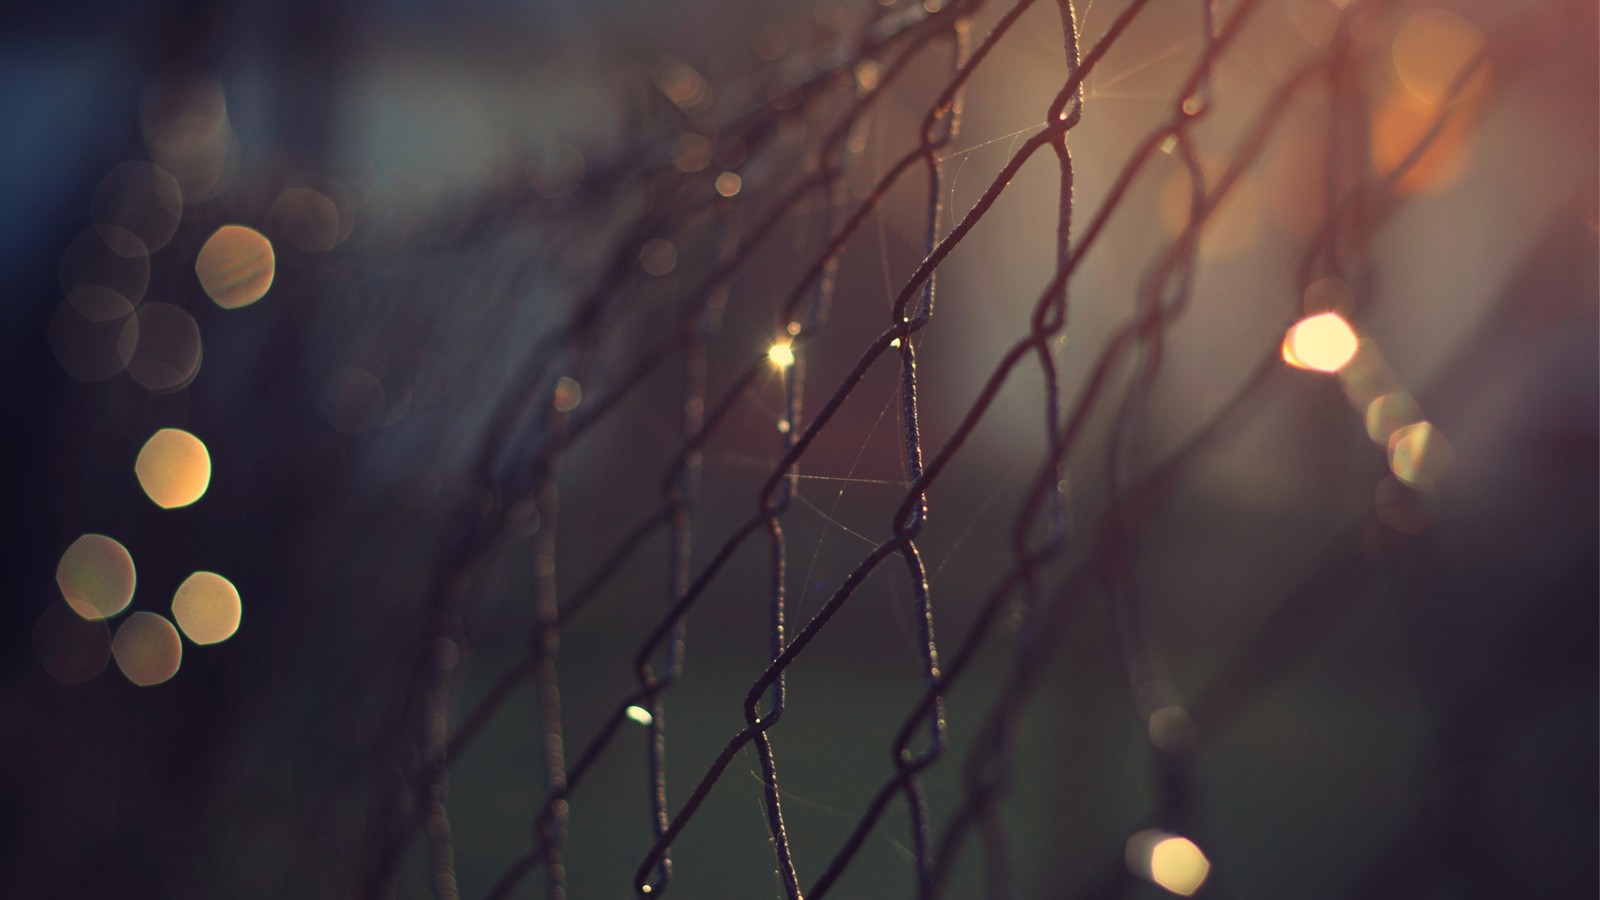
1051 571
1111 557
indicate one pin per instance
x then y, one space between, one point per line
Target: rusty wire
522 449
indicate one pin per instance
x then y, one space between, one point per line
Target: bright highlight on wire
781 354
1324 343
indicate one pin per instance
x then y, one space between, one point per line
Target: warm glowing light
682 84
207 608
1323 342
781 354
1367 376
1178 865
71 649
729 184
147 649
640 714
867 75
96 576
141 198
162 346
658 257
307 218
173 468
1418 455
1400 123
1171 729
567 395
1172 862
691 153
236 265
1430 49
1389 413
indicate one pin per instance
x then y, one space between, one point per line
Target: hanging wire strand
525 441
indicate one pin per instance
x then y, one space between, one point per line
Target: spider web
937 509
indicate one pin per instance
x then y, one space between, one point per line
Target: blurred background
276 273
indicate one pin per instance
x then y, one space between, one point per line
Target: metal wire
522 449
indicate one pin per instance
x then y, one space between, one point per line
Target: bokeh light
781 354
1419 455
1389 413
1430 49
658 257
174 468
141 198
1178 865
1367 376
729 184
1324 343
1172 862
207 608
96 576
109 257
184 117
868 74
567 395
1403 120
1171 729
308 219
236 264
161 344
682 84
147 649
70 648
692 152
86 331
